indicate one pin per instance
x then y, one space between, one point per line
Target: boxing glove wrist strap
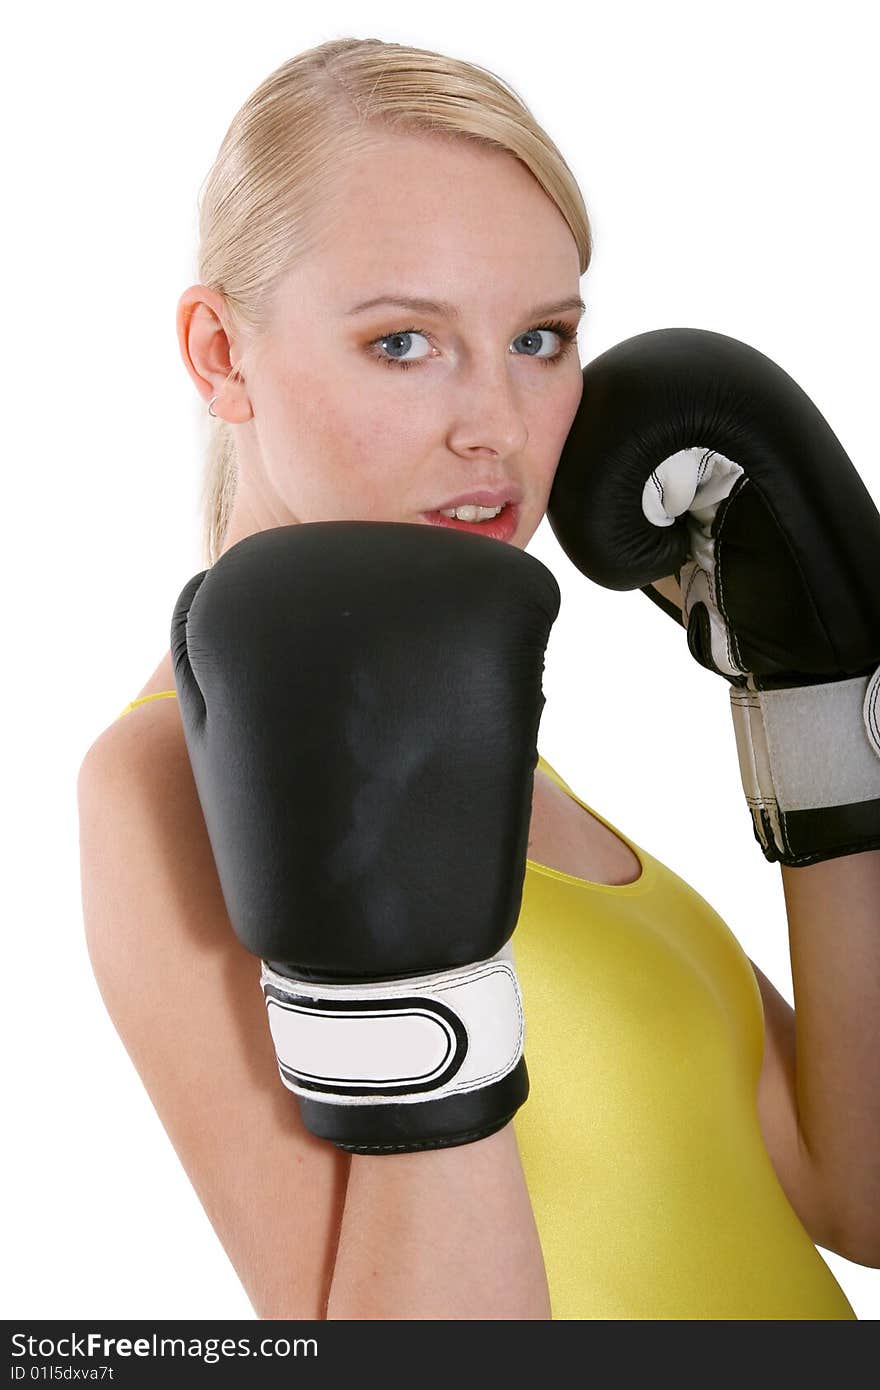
372 1043
809 759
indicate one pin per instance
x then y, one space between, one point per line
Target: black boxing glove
361 702
693 453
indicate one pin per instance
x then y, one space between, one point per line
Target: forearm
444 1234
834 931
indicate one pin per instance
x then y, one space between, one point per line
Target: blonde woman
385 323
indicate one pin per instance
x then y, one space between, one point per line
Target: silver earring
211 406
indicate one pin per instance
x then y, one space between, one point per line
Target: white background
727 156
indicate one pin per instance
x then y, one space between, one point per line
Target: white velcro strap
809 746
408 1040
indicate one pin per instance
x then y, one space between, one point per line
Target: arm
818 1096
834 933
445 1234
185 1000
816 1202
280 1200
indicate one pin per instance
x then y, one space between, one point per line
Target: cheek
546 471
559 430
368 463
381 448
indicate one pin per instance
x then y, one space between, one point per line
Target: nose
491 422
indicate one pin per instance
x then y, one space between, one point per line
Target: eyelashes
564 331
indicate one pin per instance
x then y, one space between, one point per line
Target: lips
484 497
500 528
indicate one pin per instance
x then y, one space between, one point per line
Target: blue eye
564 331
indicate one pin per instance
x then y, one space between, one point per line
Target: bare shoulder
184 997
157 720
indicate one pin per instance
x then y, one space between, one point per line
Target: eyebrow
441 307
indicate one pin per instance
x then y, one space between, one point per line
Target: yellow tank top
653 1192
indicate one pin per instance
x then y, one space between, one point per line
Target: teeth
469 512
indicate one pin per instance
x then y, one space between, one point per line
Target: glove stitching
734 654
659 487
464 1137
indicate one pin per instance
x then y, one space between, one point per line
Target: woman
656 1170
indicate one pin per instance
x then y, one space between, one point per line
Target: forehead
425 215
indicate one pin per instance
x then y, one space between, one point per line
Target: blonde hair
272 181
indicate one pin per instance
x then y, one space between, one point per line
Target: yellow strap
142 700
